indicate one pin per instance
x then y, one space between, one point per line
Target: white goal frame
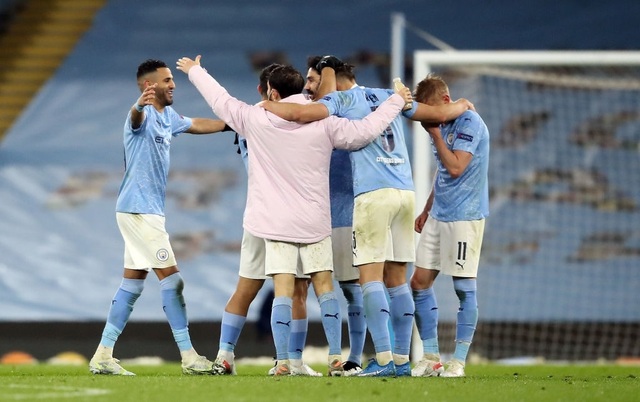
424 59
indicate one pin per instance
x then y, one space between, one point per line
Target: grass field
166 383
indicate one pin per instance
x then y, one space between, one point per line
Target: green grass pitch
166 383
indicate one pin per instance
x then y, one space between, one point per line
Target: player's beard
168 99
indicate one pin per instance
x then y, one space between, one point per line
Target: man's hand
329 61
466 102
184 64
405 92
418 224
147 96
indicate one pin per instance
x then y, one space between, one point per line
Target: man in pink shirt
288 191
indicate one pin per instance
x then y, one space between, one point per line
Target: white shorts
452 248
146 241
252 257
282 257
342 243
383 226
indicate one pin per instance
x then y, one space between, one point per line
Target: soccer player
251 278
148 131
288 196
383 209
451 228
341 194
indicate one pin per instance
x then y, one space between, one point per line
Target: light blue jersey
146 158
385 162
467 197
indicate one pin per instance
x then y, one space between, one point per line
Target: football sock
356 320
331 321
376 310
281 317
175 309
461 351
230 331
400 359
384 358
427 319
188 355
103 352
467 316
402 311
120 310
298 338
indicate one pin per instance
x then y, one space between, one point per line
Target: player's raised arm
222 103
137 110
327 68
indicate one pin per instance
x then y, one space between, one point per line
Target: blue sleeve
409 113
179 123
468 132
331 102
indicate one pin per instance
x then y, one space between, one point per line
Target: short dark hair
286 80
312 62
149 66
344 71
264 76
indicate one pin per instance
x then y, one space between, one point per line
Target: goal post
560 264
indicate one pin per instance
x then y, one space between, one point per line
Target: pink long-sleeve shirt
288 190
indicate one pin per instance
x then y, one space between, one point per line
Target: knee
394 278
173 282
420 281
322 282
465 289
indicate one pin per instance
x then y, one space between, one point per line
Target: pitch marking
49 392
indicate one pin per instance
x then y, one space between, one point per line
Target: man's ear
259 89
446 98
275 94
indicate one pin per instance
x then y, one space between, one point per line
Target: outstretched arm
201 125
439 114
228 108
355 134
297 112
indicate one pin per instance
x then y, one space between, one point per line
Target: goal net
559 277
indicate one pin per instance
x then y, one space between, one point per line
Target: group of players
330 196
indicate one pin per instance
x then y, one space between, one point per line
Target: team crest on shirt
162 254
450 138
